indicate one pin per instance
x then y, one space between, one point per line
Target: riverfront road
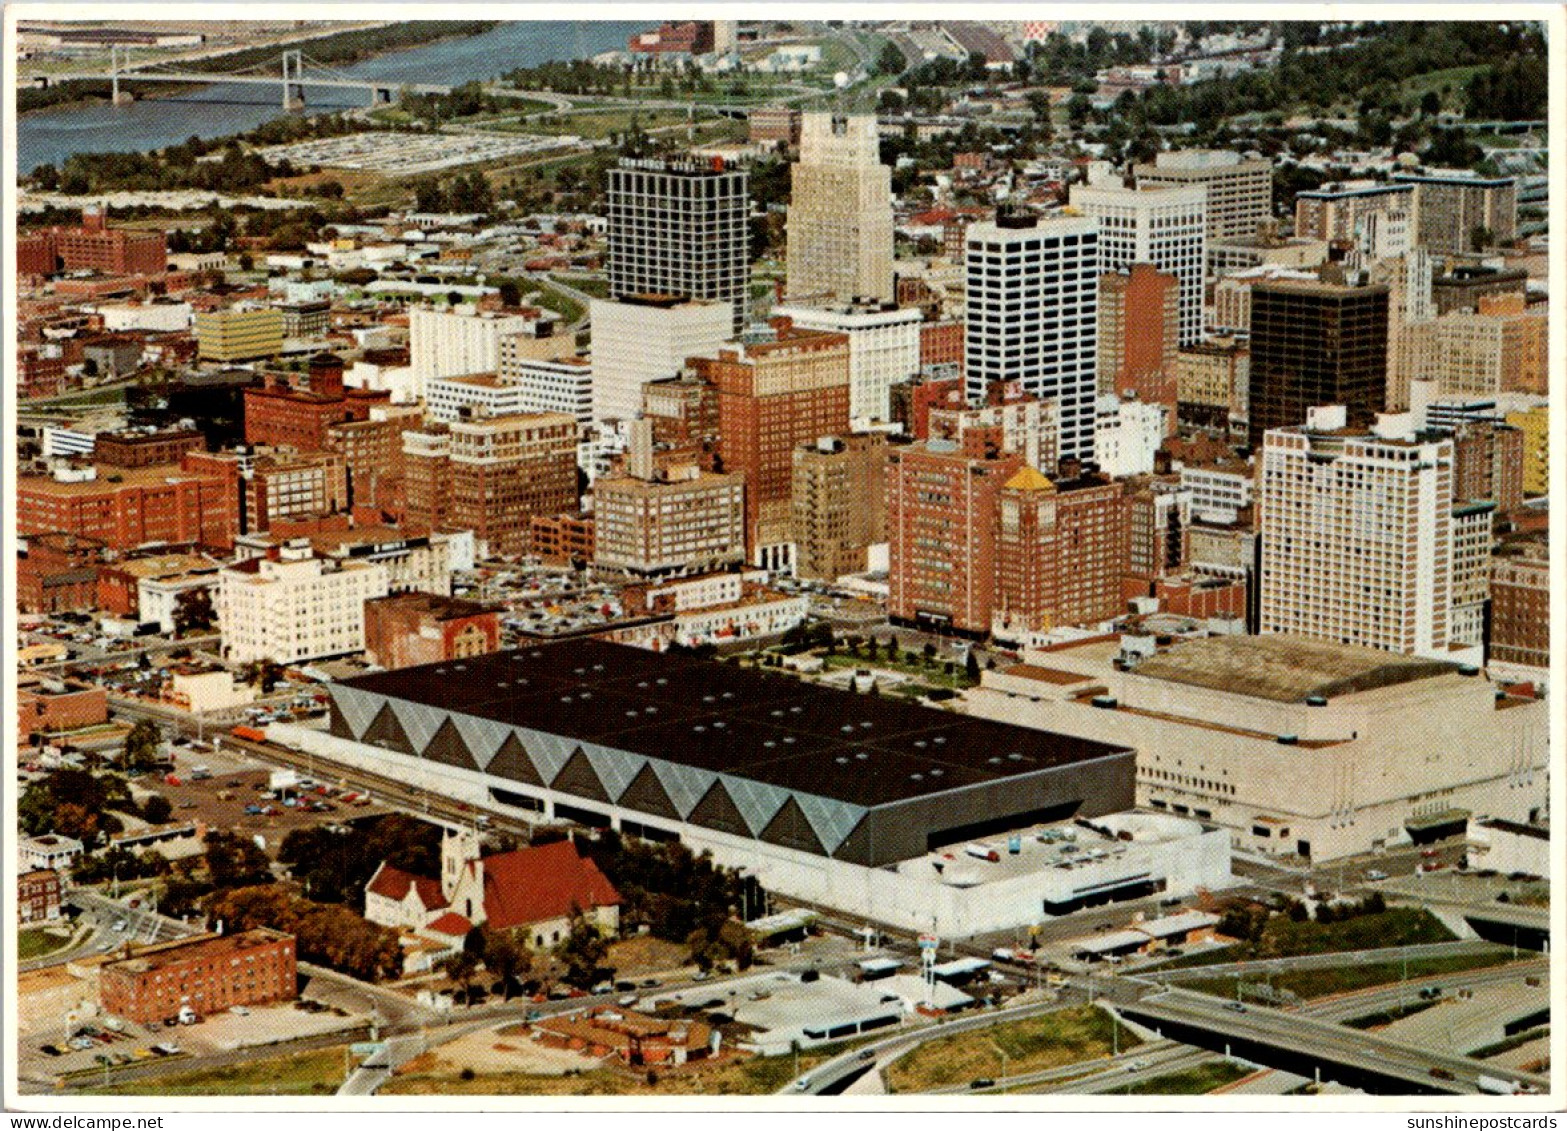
1262 1034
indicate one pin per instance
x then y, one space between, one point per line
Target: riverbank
31 101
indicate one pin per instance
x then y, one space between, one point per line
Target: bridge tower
293 71
118 97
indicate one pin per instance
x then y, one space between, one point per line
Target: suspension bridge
297 71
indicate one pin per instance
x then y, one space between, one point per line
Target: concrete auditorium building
877 807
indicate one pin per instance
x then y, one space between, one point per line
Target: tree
583 952
460 968
1481 237
193 611
157 809
971 667
141 745
506 959
235 862
1431 104
890 61
510 293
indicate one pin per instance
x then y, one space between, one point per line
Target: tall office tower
680 227
941 531
1334 212
884 350
1061 551
1032 316
1240 192
506 469
1357 535
840 212
648 338
1165 226
1139 328
1315 343
773 397
1452 209
840 503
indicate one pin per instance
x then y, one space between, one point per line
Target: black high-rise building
680 227
1316 343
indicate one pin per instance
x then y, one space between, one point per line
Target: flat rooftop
771 728
1285 669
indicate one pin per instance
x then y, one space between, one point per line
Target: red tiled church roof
536 884
393 883
452 924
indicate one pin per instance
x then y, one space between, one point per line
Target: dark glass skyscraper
1316 343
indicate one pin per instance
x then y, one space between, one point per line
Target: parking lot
240 801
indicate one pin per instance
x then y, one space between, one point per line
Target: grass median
318 1072
1063 1037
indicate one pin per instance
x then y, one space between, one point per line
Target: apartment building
1336 212
682 520
206 974
505 469
1452 209
295 606
1139 331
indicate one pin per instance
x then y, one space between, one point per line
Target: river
50 136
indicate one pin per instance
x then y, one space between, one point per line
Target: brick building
773 397
941 499
148 504
1139 327
1521 602
560 539
283 415
1061 551
92 247
407 629
913 400
145 447
48 705
1488 463
37 896
491 475
207 974
769 125
941 343
57 572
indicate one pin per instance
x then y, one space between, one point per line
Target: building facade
884 350
1357 537
684 520
1315 343
505 469
648 337
1462 213
1032 317
207 975
840 503
1166 226
773 397
680 227
1240 191
406 629
840 212
295 607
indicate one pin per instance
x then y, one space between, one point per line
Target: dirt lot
643 956
509 1048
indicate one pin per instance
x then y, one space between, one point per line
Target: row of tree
326 933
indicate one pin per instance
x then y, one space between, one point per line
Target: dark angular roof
860 749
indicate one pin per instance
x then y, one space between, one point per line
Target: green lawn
1198 1081
318 1072
936 677
37 942
1342 979
593 285
550 298
1397 926
1066 1036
